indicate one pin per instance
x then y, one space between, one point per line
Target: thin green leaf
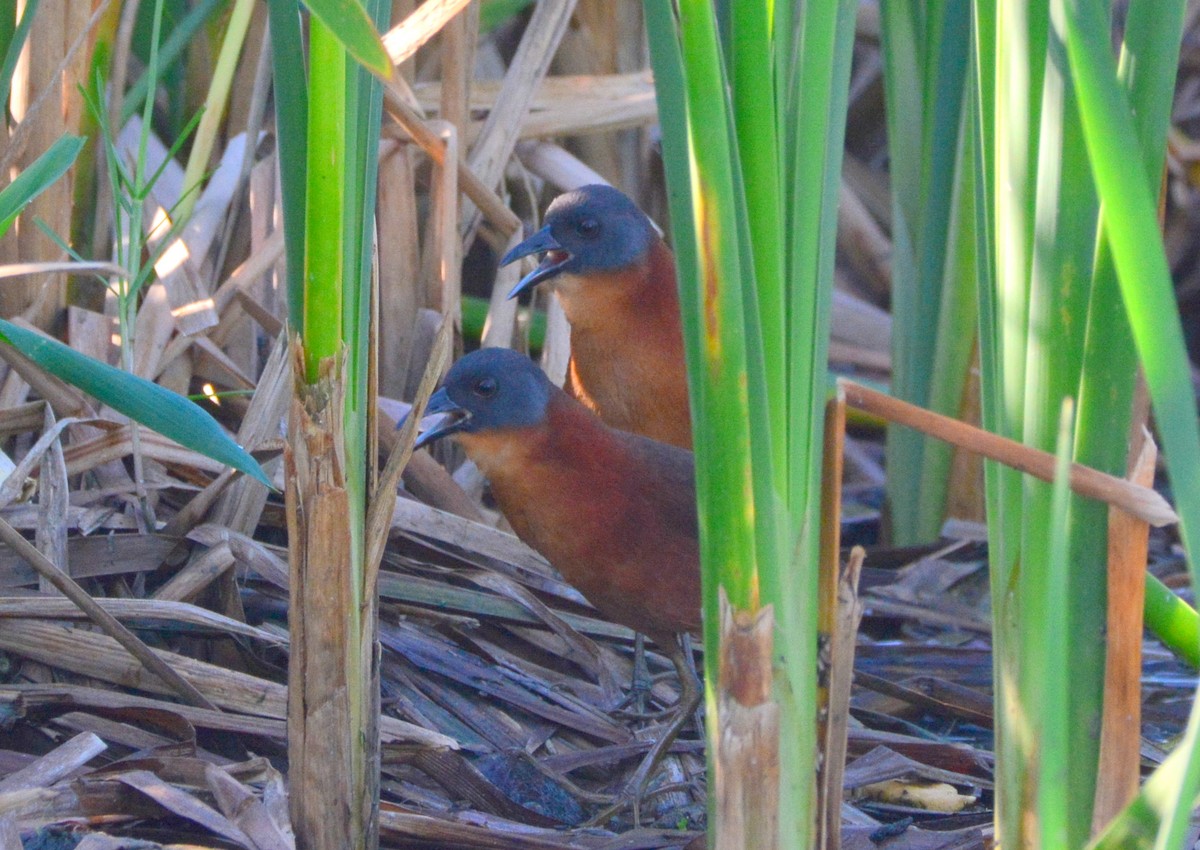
349 23
182 34
1177 624
35 179
15 45
291 120
159 409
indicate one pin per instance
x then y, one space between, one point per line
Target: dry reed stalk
91 557
56 764
1137 501
211 361
334 645
118 443
574 647
499 329
414 829
442 266
260 261
383 498
556 350
494 146
399 257
53 501
93 334
12 486
244 92
860 239
267 831
10 836
51 105
185 805
745 783
469 535
556 165
413 124
835 681
240 507
100 657
202 570
20 418
1119 770
57 608
403 40
837 720
65 585
153 329
258 557
459 38
564 105
853 355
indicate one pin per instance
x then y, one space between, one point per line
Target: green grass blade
753 95
159 409
713 311
324 258
1146 287
291 133
1177 624
1047 651
16 43
45 170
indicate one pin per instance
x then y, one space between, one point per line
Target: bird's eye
588 228
485 387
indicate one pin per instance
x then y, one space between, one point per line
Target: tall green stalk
753 211
329 165
1051 329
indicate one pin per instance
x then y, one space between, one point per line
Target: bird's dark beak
454 418
550 265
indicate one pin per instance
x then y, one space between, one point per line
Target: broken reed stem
333 665
840 676
1135 500
829 774
106 621
746 779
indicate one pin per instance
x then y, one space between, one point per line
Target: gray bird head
591 229
489 389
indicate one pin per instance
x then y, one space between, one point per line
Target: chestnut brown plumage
615 278
614 512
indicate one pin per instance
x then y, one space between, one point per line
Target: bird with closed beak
614 512
615 279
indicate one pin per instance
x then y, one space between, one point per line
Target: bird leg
689 701
640 683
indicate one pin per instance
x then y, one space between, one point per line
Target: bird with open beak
615 278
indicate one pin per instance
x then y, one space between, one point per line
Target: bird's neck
645 289
569 443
